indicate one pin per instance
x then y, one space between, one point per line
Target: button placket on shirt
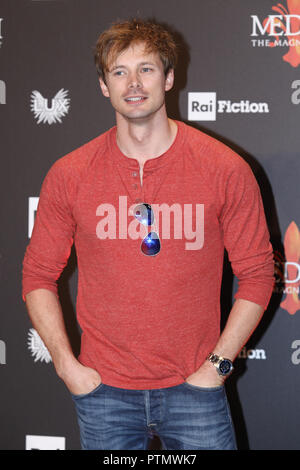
135 186
139 192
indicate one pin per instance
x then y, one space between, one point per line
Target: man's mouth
135 99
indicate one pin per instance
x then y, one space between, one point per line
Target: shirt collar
152 163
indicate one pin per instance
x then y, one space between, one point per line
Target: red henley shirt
149 321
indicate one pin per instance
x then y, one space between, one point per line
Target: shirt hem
143 386
129 385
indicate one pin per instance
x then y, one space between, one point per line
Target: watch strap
217 360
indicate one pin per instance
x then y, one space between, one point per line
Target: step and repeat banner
238 79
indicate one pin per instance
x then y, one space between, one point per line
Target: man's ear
169 80
104 88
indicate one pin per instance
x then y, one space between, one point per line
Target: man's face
136 83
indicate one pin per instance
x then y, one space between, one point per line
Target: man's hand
243 319
80 379
46 315
206 376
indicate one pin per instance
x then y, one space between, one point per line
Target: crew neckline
153 163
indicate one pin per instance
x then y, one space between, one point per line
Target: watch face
225 367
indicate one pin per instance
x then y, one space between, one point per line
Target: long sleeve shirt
150 321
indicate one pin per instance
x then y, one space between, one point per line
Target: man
150 205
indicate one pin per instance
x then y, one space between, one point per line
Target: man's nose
134 81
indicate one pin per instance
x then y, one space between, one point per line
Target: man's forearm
47 318
242 321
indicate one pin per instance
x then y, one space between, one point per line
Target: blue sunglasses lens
144 214
151 244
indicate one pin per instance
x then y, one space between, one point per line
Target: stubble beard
142 117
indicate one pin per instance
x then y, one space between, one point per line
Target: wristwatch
224 366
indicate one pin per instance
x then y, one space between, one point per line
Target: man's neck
145 140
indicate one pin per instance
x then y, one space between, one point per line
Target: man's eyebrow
124 66
117 67
148 62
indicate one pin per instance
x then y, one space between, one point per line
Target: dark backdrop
46 46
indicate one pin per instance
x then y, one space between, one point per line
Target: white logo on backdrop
2 352
45 443
296 354
295 98
50 114
204 106
37 347
32 208
274 26
1 37
252 354
2 92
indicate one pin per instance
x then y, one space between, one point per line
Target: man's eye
119 72
146 69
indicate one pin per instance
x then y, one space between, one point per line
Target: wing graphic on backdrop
43 113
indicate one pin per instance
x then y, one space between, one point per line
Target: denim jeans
184 416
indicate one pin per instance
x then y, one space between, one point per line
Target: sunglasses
143 212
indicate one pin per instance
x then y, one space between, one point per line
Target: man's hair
123 34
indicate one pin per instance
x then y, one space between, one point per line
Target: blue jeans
183 417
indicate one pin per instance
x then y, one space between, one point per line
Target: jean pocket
203 389
85 395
